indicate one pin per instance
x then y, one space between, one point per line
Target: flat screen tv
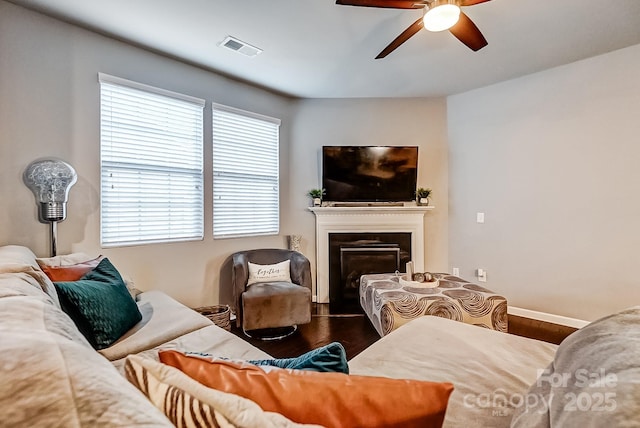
369 173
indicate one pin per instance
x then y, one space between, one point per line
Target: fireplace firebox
352 255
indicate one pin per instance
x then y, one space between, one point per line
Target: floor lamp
50 180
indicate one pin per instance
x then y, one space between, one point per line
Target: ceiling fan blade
472 2
406 35
467 32
392 4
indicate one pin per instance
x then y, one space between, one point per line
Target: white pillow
269 273
64 260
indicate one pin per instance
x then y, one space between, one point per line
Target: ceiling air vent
239 46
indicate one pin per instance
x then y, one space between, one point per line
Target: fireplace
365 219
352 255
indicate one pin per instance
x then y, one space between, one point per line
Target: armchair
271 304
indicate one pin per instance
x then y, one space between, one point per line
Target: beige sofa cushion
216 341
18 259
163 320
22 284
32 310
16 255
211 340
50 376
483 365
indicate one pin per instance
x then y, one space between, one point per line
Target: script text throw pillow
269 273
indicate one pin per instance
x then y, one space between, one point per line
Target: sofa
51 376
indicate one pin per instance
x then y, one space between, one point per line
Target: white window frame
246 173
151 164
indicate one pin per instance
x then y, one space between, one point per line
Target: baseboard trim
536 315
543 316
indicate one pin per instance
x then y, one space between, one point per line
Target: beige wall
552 160
49 106
406 121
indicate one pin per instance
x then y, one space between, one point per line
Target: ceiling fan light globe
441 17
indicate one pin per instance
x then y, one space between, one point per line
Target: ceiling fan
439 15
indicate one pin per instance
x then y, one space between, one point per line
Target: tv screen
369 173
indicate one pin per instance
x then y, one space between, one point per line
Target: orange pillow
330 399
70 272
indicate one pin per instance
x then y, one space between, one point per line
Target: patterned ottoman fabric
389 304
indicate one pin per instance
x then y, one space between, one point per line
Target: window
151 164
245 173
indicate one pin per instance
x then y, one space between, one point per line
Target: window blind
151 143
245 173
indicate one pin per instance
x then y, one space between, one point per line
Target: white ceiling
317 49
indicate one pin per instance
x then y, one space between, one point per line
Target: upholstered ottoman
390 304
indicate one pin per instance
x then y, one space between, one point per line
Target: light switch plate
480 217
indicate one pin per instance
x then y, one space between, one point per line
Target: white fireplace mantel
364 219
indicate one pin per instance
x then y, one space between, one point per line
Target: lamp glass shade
50 181
441 17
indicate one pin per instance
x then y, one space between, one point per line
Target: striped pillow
188 403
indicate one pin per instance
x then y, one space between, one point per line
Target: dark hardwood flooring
353 331
356 333
541 330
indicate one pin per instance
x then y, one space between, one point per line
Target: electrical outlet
482 275
456 271
480 217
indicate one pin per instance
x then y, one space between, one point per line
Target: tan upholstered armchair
271 304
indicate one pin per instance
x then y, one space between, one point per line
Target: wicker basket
220 315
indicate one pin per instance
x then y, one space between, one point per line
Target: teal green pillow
99 304
328 358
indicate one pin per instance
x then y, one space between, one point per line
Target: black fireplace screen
352 255
357 261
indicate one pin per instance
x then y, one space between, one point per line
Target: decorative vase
294 242
317 202
423 201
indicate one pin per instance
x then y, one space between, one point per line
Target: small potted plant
422 196
316 195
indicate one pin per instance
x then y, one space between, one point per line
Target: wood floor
541 330
356 333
